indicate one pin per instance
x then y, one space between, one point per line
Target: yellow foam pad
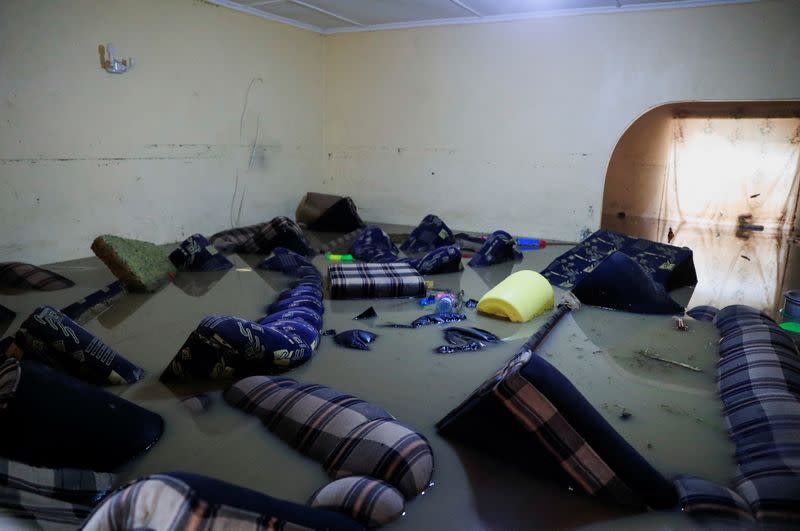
519 298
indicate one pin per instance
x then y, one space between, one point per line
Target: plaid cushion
178 501
499 247
367 500
699 497
65 484
347 435
20 509
19 275
53 338
432 232
263 238
310 418
703 313
370 280
196 253
538 415
759 383
387 450
95 303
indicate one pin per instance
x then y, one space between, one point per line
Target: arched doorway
721 178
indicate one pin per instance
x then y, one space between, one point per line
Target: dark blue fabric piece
49 336
440 260
431 233
216 492
285 261
620 283
297 302
670 266
466 340
499 247
471 304
624 460
196 253
703 313
98 300
431 319
224 347
56 421
355 339
374 245
369 313
304 314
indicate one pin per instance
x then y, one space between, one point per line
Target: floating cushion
196 253
498 248
304 314
519 298
223 347
345 434
700 497
328 213
141 266
18 275
51 337
620 283
56 421
301 301
179 500
285 261
703 313
431 233
263 238
369 501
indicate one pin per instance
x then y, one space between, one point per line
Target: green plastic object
140 266
791 326
340 257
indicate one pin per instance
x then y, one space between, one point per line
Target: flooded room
402 264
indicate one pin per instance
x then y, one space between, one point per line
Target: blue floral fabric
373 245
51 337
284 260
431 233
499 247
196 253
670 266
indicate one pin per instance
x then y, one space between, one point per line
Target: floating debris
369 313
625 415
647 354
746 258
680 324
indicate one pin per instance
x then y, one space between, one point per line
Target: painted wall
513 124
154 153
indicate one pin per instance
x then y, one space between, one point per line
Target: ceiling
335 16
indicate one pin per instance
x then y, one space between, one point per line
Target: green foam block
141 266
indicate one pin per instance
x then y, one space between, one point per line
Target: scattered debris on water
646 353
680 324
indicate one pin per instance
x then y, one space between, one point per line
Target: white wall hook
112 66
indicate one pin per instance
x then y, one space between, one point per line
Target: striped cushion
346 434
368 501
759 384
18 275
311 418
387 450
